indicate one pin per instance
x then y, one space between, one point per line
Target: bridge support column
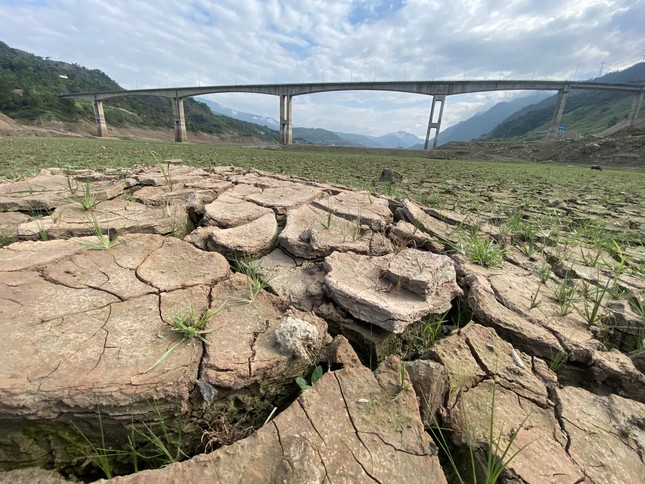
286 124
432 124
99 117
557 114
180 120
636 108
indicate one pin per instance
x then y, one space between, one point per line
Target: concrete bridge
439 90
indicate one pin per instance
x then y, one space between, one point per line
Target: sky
172 43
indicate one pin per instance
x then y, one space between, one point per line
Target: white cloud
141 43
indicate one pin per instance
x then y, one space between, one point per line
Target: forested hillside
30 85
585 111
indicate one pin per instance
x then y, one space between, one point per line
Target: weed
616 291
72 184
99 455
535 302
558 360
189 326
222 431
88 200
564 295
166 449
105 241
528 248
431 331
166 172
256 280
544 272
592 313
315 376
592 259
637 305
485 252
328 222
403 385
495 463
150 443
357 231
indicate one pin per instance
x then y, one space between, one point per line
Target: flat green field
539 195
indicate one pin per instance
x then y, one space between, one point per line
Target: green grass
535 203
189 326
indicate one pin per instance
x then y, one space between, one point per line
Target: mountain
30 85
585 112
400 139
483 123
218 108
319 136
359 140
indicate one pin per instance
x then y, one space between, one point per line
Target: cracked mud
89 330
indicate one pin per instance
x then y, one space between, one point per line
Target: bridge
439 90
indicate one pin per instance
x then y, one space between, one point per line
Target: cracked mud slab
243 350
313 233
253 239
502 298
359 285
585 436
349 427
124 216
81 327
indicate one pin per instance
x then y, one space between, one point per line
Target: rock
251 240
299 281
369 209
420 272
227 212
244 351
488 382
350 426
424 222
502 300
607 434
32 475
80 330
430 384
313 233
404 234
121 215
523 334
9 222
371 342
169 175
46 192
357 284
388 175
298 338
285 196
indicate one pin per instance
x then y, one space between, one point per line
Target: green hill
585 112
30 85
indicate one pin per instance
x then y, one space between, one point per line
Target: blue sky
146 43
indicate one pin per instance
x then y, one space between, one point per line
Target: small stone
388 175
297 337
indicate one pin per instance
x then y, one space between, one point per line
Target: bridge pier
180 120
432 124
286 123
559 110
636 108
99 117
